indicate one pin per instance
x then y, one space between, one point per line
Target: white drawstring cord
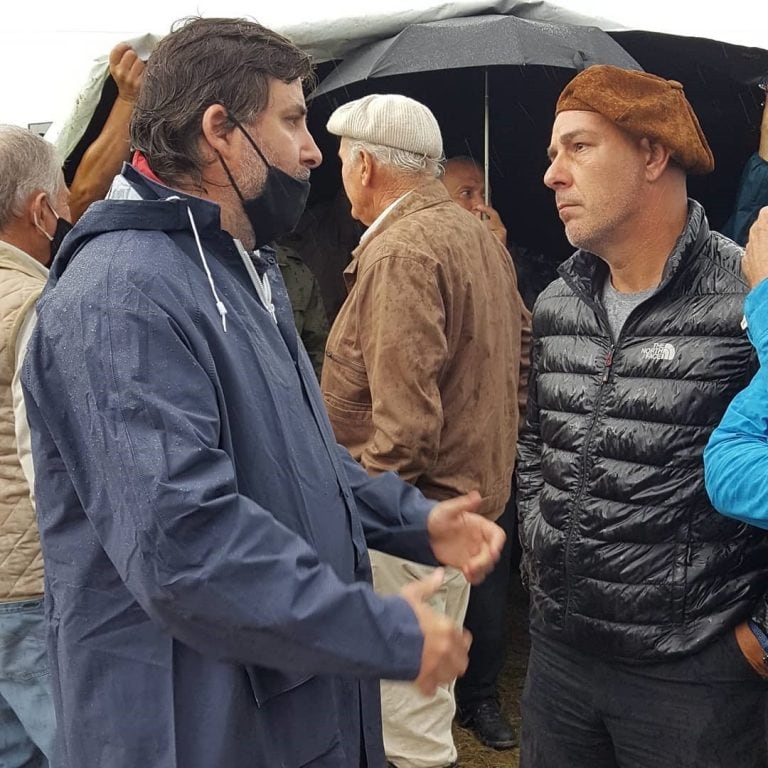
219 303
262 285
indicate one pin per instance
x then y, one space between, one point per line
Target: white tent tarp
743 23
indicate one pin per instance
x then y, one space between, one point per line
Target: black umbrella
477 42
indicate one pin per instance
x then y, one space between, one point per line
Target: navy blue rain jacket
207 578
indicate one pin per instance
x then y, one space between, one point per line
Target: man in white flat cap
422 373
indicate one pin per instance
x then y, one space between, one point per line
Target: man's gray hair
28 164
398 159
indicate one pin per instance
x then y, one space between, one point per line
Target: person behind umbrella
640 591
422 372
465 182
204 535
34 213
752 193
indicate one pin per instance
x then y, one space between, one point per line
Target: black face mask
278 208
62 229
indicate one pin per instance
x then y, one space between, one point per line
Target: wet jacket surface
423 363
624 553
205 538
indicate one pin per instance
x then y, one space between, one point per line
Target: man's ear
37 209
657 159
367 168
217 130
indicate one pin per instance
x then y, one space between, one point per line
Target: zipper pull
608 365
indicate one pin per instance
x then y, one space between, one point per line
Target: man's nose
311 155
555 175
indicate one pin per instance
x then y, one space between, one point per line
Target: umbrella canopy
478 41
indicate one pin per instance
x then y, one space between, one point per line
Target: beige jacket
21 563
423 364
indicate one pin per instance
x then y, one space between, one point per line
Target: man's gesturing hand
493 222
446 645
462 538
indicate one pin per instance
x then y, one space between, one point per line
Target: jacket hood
135 203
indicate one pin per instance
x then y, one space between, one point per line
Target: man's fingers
479 566
495 537
117 53
469 502
483 562
446 665
420 591
127 70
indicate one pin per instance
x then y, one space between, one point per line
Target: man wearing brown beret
640 592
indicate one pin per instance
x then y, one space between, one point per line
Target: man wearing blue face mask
33 219
205 536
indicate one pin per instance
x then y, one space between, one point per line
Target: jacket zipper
343 361
608 363
609 360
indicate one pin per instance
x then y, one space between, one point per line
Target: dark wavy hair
200 63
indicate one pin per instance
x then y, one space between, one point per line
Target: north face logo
659 351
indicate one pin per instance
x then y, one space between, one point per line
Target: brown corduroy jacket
426 364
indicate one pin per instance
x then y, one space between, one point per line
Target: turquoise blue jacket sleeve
736 458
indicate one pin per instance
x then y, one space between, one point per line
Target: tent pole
487 139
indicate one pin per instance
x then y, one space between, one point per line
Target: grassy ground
472 754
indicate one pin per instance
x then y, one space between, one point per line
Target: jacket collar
585 273
429 194
14 258
207 214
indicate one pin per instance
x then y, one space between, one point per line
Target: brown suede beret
645 106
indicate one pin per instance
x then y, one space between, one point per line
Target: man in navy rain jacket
207 578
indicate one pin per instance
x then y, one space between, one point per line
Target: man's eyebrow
296 108
568 138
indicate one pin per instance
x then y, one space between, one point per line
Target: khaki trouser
417 728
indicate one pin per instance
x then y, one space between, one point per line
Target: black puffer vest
624 554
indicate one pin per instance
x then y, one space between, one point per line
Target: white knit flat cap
391 120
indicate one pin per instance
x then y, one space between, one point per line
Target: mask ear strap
40 226
53 210
248 137
230 177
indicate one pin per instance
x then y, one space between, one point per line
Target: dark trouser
486 619
703 711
